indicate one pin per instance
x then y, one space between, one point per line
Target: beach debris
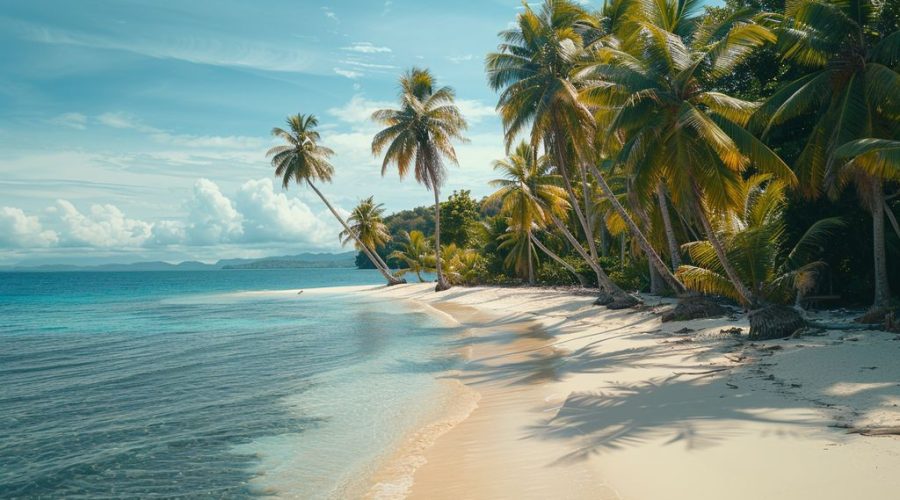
774 322
732 331
623 302
869 368
875 431
689 308
730 385
684 331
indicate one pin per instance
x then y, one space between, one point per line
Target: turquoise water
182 384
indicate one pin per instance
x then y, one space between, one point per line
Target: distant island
299 261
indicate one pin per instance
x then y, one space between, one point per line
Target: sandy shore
565 400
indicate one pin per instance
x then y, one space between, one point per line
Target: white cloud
348 73
167 232
366 65
18 230
72 120
330 14
474 111
126 121
366 48
460 59
105 226
256 215
271 216
358 110
212 217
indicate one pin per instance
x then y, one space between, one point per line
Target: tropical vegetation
657 146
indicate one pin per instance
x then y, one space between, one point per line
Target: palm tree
851 88
416 253
674 129
754 237
532 68
303 160
366 222
419 134
526 194
536 68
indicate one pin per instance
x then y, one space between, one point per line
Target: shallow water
175 383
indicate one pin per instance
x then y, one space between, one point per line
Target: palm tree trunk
603 281
890 216
882 288
660 266
380 260
656 286
604 243
559 259
419 275
579 214
563 172
743 292
530 260
441 282
674 249
387 275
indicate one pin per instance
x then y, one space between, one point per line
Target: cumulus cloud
18 230
104 226
271 216
212 218
256 214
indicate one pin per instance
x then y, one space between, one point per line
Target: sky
136 130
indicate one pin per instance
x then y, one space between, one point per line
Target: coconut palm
674 128
416 253
754 238
302 159
536 69
532 68
366 221
526 193
420 134
852 88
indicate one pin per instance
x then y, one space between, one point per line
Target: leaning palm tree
367 223
536 67
675 129
416 253
754 237
532 69
419 134
527 193
852 89
303 160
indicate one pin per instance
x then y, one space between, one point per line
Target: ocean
206 384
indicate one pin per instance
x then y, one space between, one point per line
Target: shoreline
705 414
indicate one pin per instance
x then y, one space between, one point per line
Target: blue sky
135 130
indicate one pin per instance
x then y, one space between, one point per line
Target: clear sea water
162 384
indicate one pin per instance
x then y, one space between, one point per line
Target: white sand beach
577 401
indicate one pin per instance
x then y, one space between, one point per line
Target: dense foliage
749 151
